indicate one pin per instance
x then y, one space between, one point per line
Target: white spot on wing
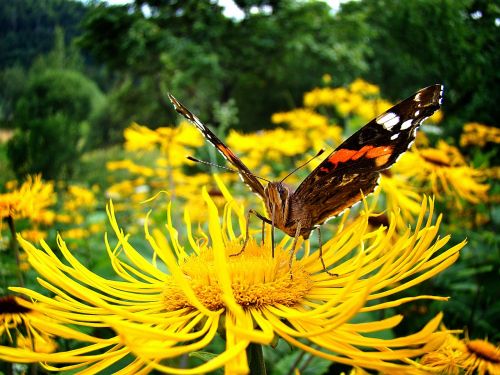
382 119
388 125
417 96
417 112
406 124
393 137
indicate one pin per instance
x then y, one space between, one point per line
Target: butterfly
347 174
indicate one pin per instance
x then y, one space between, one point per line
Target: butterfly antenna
223 167
303 165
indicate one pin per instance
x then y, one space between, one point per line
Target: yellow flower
141 138
64 218
76 233
362 87
314 128
479 134
400 194
325 96
34 235
18 320
326 78
445 172
40 343
125 188
457 356
132 167
360 99
493 172
267 146
79 197
481 357
30 200
436 117
369 109
300 118
251 299
273 144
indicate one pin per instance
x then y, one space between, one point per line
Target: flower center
257 279
485 350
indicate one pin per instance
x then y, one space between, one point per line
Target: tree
52 122
265 61
411 44
27 27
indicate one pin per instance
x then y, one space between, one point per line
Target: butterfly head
277 198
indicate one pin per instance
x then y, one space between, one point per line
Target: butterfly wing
245 174
353 168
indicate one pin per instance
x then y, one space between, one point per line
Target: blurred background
83 102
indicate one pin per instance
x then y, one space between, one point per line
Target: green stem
256 359
14 245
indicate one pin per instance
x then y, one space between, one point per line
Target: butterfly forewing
242 169
354 166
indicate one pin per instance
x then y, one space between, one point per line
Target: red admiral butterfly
349 172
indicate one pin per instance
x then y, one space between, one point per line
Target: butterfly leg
321 254
292 250
247 232
272 232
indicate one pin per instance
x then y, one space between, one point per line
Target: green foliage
52 119
12 85
192 49
6 173
27 27
411 44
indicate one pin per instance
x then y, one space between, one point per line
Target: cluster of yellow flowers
445 172
31 200
479 135
360 99
78 202
35 200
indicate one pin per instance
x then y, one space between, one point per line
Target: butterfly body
285 211
348 173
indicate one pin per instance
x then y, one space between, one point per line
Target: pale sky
230 9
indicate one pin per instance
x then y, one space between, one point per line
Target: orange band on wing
365 150
343 155
379 151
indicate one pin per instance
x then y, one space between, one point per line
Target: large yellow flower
251 299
